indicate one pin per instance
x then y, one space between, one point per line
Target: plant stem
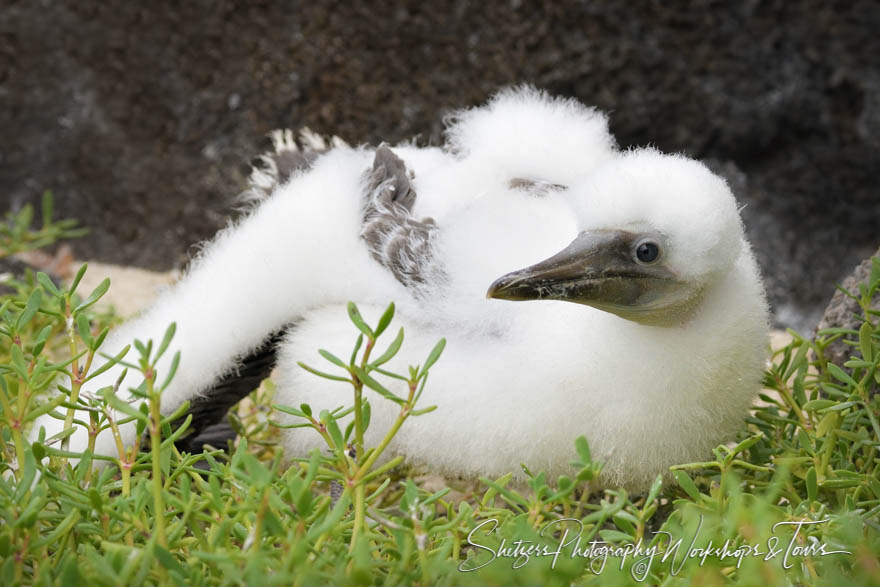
258 530
358 402
401 418
18 421
7 414
155 444
359 512
126 456
358 420
404 412
18 440
93 434
786 395
423 557
75 377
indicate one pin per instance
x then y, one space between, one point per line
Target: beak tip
501 289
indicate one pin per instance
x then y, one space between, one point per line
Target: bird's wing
395 238
289 154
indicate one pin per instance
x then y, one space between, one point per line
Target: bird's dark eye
647 251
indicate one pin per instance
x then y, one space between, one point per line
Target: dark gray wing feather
396 239
537 187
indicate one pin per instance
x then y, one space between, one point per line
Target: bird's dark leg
209 425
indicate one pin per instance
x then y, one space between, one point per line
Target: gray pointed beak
597 269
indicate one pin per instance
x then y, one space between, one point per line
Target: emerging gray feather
289 155
537 187
396 239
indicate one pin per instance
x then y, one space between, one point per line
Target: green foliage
17 234
350 515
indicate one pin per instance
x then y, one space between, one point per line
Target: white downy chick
645 327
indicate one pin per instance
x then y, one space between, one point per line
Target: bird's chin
672 313
651 302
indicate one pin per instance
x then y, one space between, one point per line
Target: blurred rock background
141 117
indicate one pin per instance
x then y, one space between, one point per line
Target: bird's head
656 231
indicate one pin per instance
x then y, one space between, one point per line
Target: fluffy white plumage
518 382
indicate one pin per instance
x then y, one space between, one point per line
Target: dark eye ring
647 251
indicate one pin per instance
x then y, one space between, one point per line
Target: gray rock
141 116
843 312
